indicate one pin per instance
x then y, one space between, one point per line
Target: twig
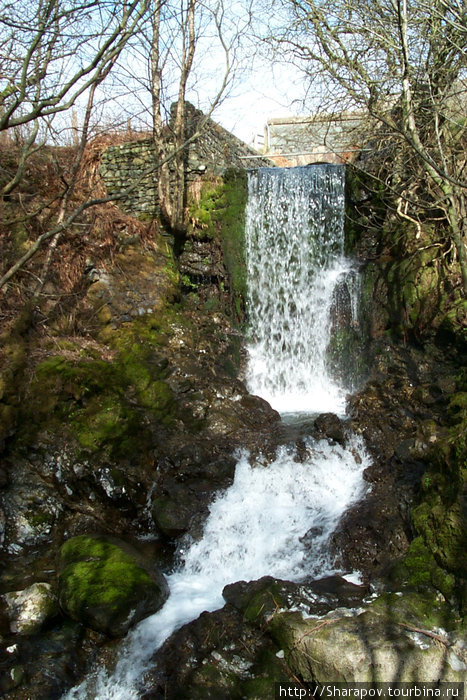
314 629
427 633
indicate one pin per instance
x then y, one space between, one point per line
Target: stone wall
215 151
130 164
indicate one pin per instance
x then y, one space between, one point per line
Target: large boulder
105 587
396 638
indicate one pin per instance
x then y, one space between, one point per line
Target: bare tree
66 53
186 23
403 63
54 53
51 53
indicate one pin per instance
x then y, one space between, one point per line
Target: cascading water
295 254
257 526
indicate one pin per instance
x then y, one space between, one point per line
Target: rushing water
257 526
296 262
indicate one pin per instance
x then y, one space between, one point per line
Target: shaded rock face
381 642
272 630
217 656
405 418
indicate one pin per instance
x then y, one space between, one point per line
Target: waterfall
296 262
257 527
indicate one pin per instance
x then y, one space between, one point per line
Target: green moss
231 220
347 356
159 399
281 629
105 404
419 571
104 421
414 277
437 556
39 518
95 573
265 602
420 608
220 213
214 681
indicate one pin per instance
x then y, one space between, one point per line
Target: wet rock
328 425
401 413
186 486
217 656
106 587
196 460
260 600
173 515
50 663
31 508
29 609
373 533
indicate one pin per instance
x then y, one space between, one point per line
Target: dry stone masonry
134 163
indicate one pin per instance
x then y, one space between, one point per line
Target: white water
295 245
254 529
257 526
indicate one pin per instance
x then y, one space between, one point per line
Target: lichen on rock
29 609
394 639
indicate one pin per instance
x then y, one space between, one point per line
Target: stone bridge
322 138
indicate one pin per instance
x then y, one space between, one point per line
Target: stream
257 527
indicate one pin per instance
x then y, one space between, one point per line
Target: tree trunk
179 127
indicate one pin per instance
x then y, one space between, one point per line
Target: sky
259 90
270 91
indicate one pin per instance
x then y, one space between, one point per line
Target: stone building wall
317 139
215 151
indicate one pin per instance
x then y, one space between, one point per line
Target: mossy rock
419 570
257 600
105 404
173 516
105 587
438 554
219 213
213 680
